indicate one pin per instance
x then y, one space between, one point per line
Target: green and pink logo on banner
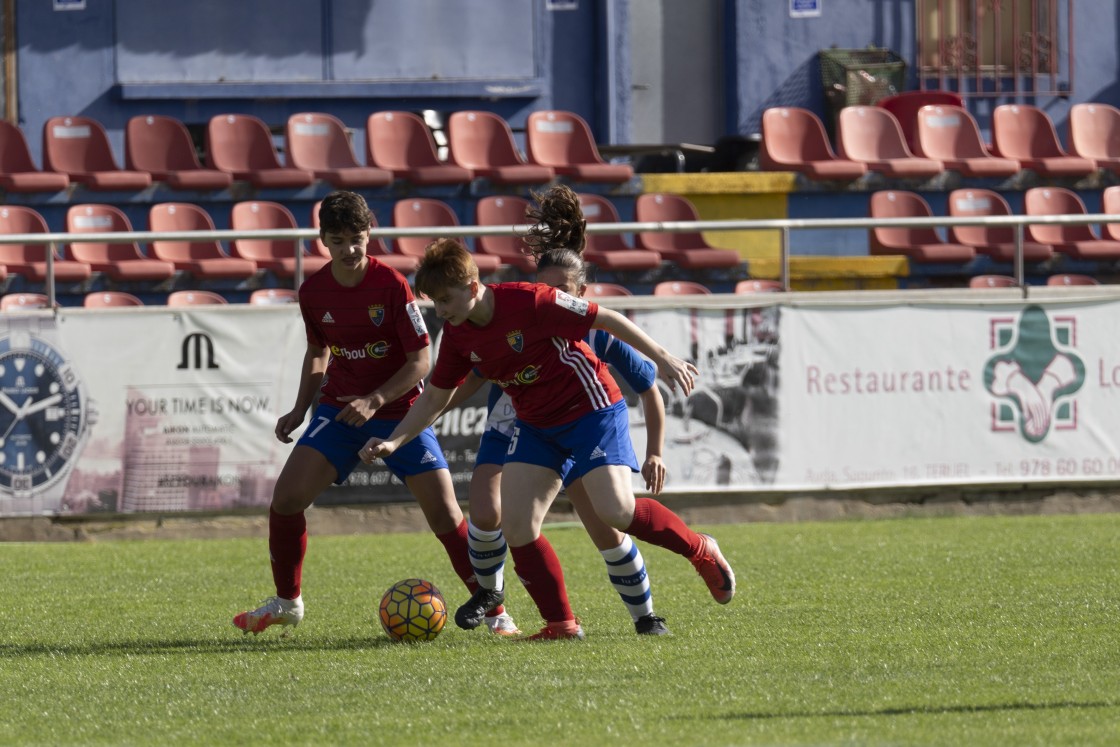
1034 373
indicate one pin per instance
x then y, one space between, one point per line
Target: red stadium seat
610 251
29 261
1072 279
402 144
680 288
18 173
318 143
689 251
273 296
121 261
375 248
1110 204
753 285
162 147
109 299
872 136
997 242
275 255
24 302
1094 133
79 148
949 134
921 245
1026 134
1076 241
605 290
794 139
195 298
241 145
425 212
483 142
562 141
505 210
204 260
906 105
992 281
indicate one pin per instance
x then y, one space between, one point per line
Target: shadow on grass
924 710
208 646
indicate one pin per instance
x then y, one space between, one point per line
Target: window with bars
996 47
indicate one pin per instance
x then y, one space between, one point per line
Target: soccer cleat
569 630
471 614
715 570
502 625
273 611
651 625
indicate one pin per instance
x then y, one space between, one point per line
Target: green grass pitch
938 631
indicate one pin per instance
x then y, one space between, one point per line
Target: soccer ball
412 610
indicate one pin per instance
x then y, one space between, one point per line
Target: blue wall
777 63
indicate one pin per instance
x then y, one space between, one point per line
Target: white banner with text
163 410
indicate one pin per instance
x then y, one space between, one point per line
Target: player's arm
653 468
315 360
466 390
424 411
672 369
361 408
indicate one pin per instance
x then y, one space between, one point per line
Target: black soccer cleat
651 625
470 615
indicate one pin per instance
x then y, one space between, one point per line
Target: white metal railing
783 225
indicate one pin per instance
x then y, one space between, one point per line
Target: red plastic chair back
1024 132
420 212
992 281
399 141
481 140
159 144
110 299
318 142
1094 131
76 145
504 210
195 298
906 105
680 288
606 290
1055 201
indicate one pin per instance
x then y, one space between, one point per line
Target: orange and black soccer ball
412 610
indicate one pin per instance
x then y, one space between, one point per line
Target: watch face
40 415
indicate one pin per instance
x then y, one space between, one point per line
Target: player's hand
653 471
677 372
286 424
376 448
357 412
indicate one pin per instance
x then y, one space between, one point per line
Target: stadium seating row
269 296
942 137
398 145
207 260
1041 242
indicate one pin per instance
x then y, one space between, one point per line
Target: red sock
657 525
539 569
287 544
455 543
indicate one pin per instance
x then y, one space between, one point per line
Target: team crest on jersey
377 314
516 340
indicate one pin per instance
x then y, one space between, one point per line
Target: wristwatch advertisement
45 414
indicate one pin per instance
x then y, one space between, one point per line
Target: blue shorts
574 449
340 444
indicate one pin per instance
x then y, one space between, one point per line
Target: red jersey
369 329
534 348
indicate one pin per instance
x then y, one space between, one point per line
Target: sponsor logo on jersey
516 340
527 375
377 314
327 318
475 358
598 453
378 349
428 457
416 318
571 303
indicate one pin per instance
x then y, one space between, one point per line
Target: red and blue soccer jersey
534 349
369 330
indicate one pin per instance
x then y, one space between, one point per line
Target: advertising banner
160 410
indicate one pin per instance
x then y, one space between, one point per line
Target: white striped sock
488 556
626 569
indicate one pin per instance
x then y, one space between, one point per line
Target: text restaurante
858 381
